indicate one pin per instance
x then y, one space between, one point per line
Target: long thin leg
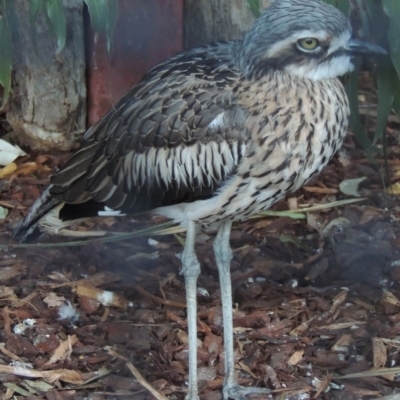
223 257
191 271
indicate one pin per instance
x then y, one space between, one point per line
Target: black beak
356 47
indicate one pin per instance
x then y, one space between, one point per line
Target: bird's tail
42 206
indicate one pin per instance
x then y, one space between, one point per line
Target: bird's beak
355 47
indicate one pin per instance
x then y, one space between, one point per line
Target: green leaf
392 9
352 93
349 187
363 13
103 17
35 6
254 7
396 102
57 22
296 241
386 91
17 389
377 21
342 5
103 14
3 212
289 214
13 21
5 53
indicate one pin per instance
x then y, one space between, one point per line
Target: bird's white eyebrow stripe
306 33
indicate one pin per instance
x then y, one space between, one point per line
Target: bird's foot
237 392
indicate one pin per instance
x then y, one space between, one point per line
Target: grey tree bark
47 109
211 20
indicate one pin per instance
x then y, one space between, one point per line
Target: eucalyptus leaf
17 389
342 5
13 20
349 187
289 214
392 9
386 91
39 386
396 102
374 29
3 212
35 6
57 22
355 121
103 17
254 7
365 18
378 21
5 53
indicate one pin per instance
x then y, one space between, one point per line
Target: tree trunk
211 20
47 109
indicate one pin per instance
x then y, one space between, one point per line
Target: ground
317 300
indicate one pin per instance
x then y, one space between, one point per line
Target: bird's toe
237 392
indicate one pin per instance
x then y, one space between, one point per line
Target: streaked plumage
217 134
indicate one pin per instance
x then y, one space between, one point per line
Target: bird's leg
223 257
191 270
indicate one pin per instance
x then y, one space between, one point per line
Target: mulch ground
317 300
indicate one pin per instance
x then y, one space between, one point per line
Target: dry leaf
7 293
7 273
343 344
8 170
63 351
320 190
380 354
296 357
245 368
65 375
29 168
341 325
394 189
390 298
53 300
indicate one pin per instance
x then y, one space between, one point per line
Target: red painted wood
147 32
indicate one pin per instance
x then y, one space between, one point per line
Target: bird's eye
308 44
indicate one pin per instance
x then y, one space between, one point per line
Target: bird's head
307 38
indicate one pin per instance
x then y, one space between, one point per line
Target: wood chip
104 297
380 353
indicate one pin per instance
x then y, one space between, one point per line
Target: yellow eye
308 43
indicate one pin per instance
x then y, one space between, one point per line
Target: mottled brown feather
172 107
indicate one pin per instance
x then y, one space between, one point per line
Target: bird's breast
296 126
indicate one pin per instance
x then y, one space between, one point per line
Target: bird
215 135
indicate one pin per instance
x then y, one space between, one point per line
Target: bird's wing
175 137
